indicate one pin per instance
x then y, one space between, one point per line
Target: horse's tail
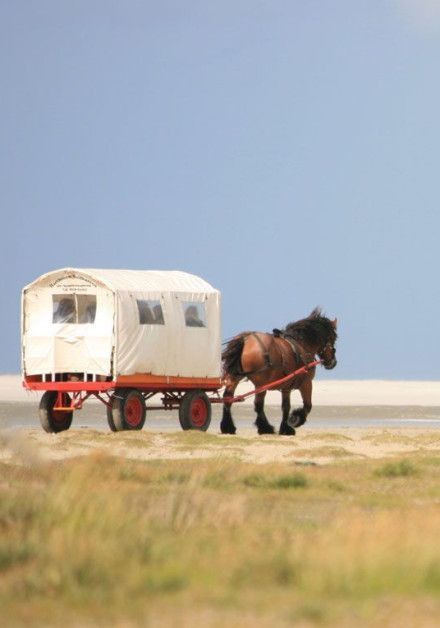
231 356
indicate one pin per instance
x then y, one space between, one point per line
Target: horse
263 358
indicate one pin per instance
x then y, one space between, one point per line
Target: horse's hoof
266 429
296 419
293 422
286 430
228 429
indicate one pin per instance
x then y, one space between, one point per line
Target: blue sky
286 151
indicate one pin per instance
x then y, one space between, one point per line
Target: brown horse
264 358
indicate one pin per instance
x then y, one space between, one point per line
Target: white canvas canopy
121 322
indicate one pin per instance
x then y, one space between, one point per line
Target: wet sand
19 414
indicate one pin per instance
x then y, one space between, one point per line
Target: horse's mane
315 329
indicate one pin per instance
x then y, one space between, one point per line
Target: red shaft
273 384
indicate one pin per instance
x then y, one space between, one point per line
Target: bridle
329 346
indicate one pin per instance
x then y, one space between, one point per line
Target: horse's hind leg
285 428
227 424
263 425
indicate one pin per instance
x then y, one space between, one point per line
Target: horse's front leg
299 416
227 425
285 429
263 425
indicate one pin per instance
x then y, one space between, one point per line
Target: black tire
110 421
128 410
195 411
54 421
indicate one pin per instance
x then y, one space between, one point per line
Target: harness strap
266 356
277 333
267 361
300 357
295 349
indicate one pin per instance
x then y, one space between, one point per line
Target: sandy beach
350 419
308 447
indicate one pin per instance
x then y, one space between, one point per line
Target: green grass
284 481
397 469
102 540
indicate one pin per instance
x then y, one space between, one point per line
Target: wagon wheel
195 411
54 420
110 421
127 411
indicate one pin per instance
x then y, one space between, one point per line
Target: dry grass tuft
326 451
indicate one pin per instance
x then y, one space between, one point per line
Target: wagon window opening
194 313
86 308
73 308
150 312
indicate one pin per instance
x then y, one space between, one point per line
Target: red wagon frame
125 399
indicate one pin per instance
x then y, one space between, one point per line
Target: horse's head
328 352
317 335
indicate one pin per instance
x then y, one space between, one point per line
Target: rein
276 383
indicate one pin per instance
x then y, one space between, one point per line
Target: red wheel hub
133 411
199 412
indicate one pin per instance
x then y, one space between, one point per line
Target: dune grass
395 469
102 540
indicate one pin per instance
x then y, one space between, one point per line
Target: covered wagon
122 336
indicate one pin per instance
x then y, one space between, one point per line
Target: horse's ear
335 323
